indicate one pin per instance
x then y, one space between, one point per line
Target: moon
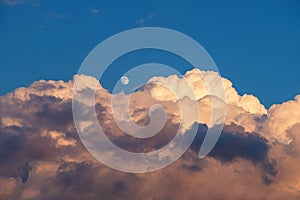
124 80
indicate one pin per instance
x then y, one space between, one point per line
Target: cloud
95 11
49 16
143 20
20 2
12 2
200 82
41 156
281 118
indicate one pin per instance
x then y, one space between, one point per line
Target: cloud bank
41 156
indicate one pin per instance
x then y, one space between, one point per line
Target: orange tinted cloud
41 156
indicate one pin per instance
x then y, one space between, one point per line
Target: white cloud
281 118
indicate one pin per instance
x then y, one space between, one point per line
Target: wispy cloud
49 17
95 11
52 15
20 2
12 2
40 26
144 20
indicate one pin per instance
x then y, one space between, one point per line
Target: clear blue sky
255 44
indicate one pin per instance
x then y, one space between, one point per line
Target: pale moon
124 80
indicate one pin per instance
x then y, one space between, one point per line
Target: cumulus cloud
201 82
42 157
281 118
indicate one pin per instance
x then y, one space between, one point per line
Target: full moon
124 80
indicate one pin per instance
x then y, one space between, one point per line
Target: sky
254 43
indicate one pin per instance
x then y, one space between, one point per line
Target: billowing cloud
42 157
281 118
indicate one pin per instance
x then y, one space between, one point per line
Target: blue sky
255 44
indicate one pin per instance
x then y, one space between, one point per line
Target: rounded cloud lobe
41 156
